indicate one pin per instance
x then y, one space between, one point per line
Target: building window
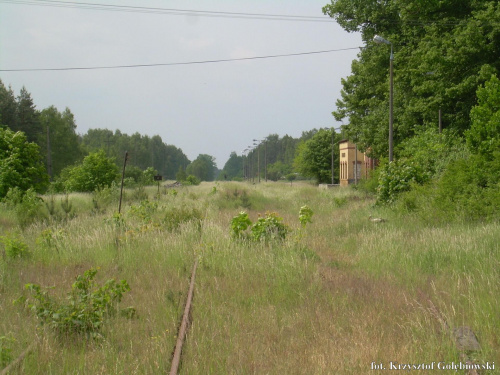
343 154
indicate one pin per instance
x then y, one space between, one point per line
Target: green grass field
337 296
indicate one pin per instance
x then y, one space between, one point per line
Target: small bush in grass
144 211
305 215
269 227
265 228
192 180
86 308
239 224
14 247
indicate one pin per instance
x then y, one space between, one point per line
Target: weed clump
270 227
87 308
14 247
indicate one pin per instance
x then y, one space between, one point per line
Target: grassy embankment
331 299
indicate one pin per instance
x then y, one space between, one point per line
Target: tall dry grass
333 298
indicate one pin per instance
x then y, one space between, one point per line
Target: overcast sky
211 108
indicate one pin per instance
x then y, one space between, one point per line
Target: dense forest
61 146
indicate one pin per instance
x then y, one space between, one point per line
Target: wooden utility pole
123 177
49 155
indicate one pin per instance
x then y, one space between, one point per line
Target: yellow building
354 164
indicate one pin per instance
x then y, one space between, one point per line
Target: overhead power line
168 11
177 63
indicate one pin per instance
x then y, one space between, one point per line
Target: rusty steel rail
18 360
184 325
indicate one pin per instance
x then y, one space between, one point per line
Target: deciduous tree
20 163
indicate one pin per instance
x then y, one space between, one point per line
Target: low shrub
239 224
270 227
84 311
14 247
305 215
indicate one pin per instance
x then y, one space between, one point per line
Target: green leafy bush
20 163
148 176
240 223
95 172
270 227
483 138
144 211
192 180
397 177
86 308
421 158
305 215
14 247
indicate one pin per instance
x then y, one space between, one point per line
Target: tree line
275 157
42 145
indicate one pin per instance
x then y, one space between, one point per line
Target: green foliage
397 177
96 171
27 206
103 197
240 224
467 190
144 211
234 197
305 215
278 170
203 168
483 137
291 177
443 51
146 151
179 215
181 174
192 180
133 176
65 149
233 167
14 247
421 158
86 308
49 238
314 156
20 163
6 350
116 220
148 176
270 227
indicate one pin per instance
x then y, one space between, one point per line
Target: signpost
158 178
